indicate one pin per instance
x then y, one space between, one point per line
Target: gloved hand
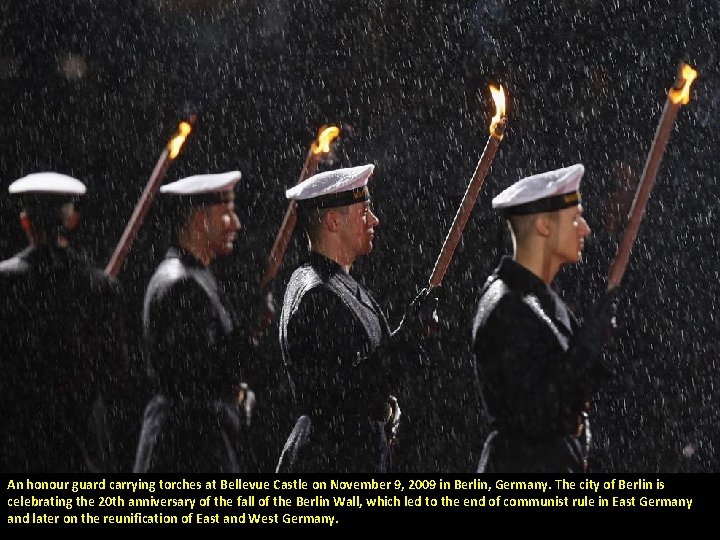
264 315
245 400
600 323
392 421
420 320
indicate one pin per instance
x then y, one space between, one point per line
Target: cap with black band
545 192
330 189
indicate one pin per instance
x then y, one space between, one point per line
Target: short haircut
177 211
173 214
311 219
521 225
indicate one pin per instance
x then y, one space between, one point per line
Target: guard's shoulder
171 270
102 282
307 276
491 294
497 294
499 304
16 265
170 275
87 277
308 292
304 279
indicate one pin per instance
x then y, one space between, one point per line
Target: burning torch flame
682 95
498 95
325 137
178 140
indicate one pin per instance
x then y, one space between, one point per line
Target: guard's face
221 227
570 233
358 231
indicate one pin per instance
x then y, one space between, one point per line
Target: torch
169 153
678 94
319 147
497 130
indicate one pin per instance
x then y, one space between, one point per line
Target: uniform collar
324 266
50 254
176 252
519 277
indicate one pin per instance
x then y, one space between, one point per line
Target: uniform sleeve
333 370
528 380
112 338
187 350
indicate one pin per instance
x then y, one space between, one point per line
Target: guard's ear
199 219
25 222
333 220
28 227
543 224
70 216
71 222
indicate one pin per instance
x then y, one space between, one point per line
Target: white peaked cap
203 184
331 183
544 192
50 183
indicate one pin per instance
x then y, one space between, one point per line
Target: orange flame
682 95
498 95
178 140
325 137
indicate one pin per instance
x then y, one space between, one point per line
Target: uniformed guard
195 421
536 364
342 359
62 338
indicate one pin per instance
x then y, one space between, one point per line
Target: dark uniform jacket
61 349
194 354
533 381
330 332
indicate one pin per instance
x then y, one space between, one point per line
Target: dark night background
95 89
